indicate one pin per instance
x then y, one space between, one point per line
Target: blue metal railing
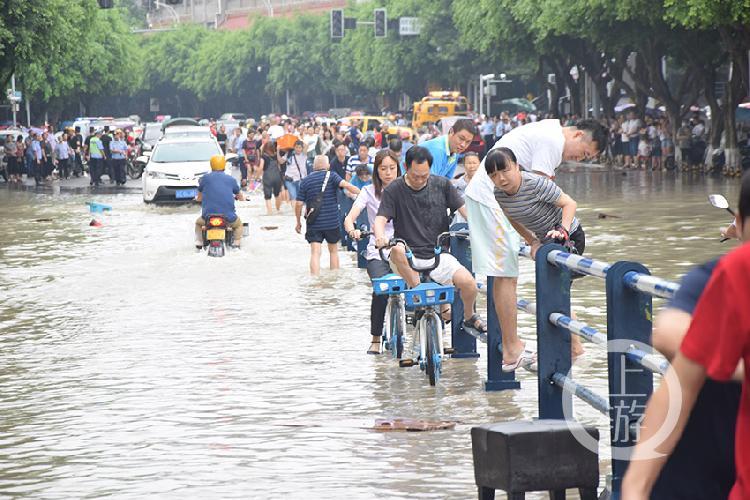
631 364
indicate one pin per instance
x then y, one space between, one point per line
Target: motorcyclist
217 192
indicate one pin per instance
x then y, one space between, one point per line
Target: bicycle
426 299
393 286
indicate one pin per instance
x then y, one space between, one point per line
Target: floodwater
133 367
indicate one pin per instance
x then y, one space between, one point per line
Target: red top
719 336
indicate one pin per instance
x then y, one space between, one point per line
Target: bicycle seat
429 294
388 285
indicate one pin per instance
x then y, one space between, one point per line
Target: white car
176 165
187 130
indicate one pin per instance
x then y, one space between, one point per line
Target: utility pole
13 104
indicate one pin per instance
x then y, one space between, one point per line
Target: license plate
186 193
215 234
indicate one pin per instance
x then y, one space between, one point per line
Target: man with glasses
541 147
446 150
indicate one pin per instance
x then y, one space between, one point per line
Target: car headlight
146 147
156 175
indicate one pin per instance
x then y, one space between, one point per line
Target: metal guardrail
629 291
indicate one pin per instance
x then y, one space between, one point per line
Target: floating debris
269 228
602 215
42 220
412 425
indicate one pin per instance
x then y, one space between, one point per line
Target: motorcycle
134 167
217 235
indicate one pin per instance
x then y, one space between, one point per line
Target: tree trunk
717 115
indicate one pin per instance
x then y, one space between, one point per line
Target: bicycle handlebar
438 249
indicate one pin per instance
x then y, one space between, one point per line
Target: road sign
409 26
14 97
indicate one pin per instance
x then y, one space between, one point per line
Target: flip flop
534 367
526 360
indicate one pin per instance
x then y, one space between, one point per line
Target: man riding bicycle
217 192
418 204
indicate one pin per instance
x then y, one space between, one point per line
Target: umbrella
622 107
517 104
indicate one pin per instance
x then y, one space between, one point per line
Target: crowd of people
512 194
45 155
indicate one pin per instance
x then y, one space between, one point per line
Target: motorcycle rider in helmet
217 192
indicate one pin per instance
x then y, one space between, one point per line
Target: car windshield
185 151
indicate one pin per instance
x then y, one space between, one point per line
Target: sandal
476 324
527 359
374 351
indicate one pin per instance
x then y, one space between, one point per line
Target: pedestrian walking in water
317 194
386 170
272 181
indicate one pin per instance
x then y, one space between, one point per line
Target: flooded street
132 366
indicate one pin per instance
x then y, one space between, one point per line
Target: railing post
630 385
497 379
362 243
464 345
553 342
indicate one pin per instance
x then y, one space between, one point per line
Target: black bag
314 206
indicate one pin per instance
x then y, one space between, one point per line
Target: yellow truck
438 104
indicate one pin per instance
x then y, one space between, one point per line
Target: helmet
218 162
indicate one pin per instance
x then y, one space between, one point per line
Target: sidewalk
76 184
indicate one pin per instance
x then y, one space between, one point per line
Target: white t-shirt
538 146
275 131
366 200
630 130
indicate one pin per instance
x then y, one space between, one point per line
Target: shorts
272 188
632 148
578 237
443 274
318 235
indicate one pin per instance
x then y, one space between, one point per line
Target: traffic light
337 24
106 4
381 23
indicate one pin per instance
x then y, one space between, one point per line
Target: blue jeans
293 188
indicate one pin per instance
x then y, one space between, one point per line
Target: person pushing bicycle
418 204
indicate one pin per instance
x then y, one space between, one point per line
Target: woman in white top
385 170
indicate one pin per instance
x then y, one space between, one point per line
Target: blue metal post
553 342
464 345
362 244
497 379
630 384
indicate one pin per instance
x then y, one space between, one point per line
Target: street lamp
482 79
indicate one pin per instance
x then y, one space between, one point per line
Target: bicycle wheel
396 328
434 360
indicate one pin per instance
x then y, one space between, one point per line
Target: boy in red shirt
716 345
